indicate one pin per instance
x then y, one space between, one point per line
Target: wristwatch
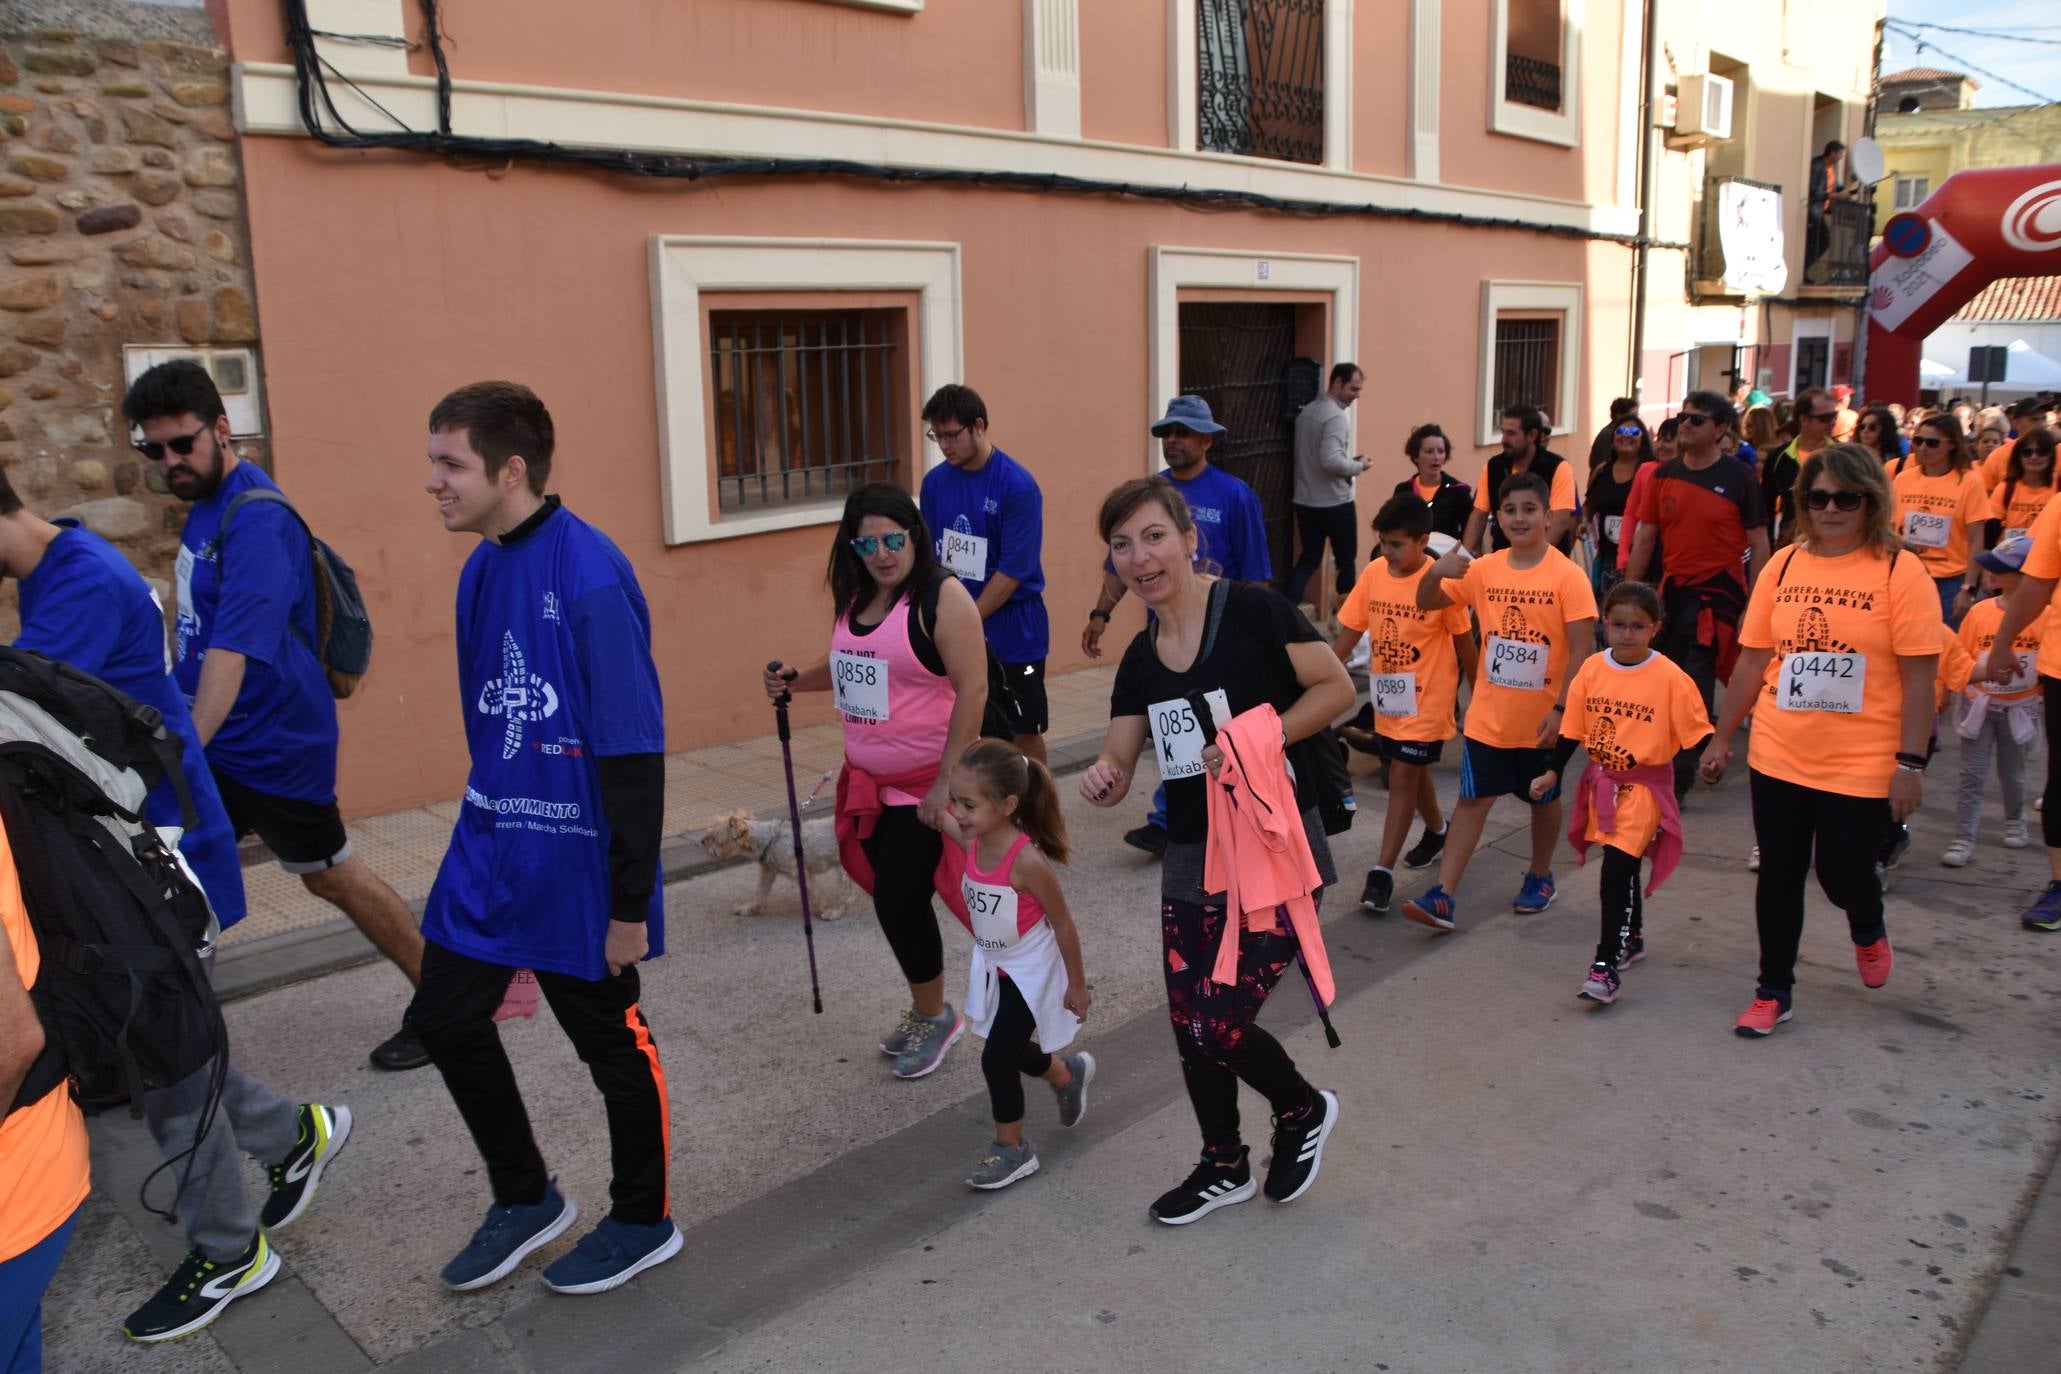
1099 614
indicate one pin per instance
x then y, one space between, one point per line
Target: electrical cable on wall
326 124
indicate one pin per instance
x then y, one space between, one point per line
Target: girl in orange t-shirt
2000 718
1843 633
1942 510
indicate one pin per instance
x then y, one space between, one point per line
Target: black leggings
1213 1022
904 854
2050 811
1011 1054
1790 822
1314 525
1623 907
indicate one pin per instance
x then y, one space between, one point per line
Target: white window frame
1913 201
684 266
1528 121
1183 78
1168 270
1533 297
1809 327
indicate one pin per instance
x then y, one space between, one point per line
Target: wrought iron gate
1236 358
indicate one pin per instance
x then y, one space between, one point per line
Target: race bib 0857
993 911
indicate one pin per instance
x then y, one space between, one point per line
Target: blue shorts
1421 752
1489 771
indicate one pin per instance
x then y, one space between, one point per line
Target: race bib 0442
1822 682
1516 663
859 685
1177 736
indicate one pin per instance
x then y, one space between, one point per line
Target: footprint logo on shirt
518 694
1391 653
1516 625
1814 635
1604 748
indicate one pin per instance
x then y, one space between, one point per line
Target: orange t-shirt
1426 491
43 1170
1998 462
1979 634
1562 497
2043 560
1830 714
1933 515
1628 718
1524 615
1411 661
1955 668
2025 506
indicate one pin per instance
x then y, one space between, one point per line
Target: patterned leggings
1213 1022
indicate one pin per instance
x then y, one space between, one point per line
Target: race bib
1613 526
1177 736
966 555
2022 675
2016 534
992 910
859 684
1514 663
1395 694
1924 529
1822 682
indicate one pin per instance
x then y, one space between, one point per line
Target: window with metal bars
808 404
1259 67
1532 60
1527 362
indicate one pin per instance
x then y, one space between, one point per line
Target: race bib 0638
859 684
1926 529
1822 682
1515 663
1177 736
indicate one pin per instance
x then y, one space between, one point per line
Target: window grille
804 404
1260 77
1527 363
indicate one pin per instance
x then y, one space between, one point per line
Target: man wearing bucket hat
1231 540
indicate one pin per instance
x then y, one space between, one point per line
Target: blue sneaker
2045 912
1433 907
611 1255
1535 896
505 1237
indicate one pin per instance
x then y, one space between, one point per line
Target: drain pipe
1641 269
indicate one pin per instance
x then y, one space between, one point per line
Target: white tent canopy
2024 369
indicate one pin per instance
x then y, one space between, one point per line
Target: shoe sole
2045 927
1378 910
1603 996
658 1256
2021 842
267 1271
1413 912
958 1029
1534 910
339 1132
1087 1076
1951 861
1420 867
1240 1194
1755 1033
1323 1134
1629 960
1023 1171
521 1252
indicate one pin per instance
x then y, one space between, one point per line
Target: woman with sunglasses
1450 499
1876 431
908 670
1610 489
2027 486
1943 510
1843 635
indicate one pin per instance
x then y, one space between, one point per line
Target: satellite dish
1866 161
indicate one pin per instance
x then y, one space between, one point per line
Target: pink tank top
996 882
897 713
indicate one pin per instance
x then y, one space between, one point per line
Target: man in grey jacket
1324 473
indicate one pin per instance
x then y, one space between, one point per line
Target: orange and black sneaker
1762 1017
1874 961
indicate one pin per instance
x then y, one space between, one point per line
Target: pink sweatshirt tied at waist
859 806
1596 794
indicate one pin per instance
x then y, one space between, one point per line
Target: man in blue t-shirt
245 660
1231 541
82 603
988 517
553 864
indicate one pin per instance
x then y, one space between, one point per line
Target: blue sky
2036 65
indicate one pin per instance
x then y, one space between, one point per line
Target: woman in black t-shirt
1610 484
1450 499
1242 645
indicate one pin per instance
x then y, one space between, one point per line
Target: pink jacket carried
1596 794
1258 855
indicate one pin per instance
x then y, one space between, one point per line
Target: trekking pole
801 865
1199 704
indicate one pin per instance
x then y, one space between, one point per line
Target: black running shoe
1425 852
296 1177
1150 838
1211 1186
1299 1150
1379 891
401 1050
198 1291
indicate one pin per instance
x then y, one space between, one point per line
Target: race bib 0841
859 685
1177 736
1822 682
966 555
1515 663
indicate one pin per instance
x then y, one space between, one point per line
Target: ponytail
1006 773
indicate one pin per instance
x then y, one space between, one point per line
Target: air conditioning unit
235 371
1703 114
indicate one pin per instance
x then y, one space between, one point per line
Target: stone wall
122 222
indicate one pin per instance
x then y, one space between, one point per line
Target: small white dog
770 844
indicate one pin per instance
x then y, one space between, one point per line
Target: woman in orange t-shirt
1942 510
2027 486
1843 633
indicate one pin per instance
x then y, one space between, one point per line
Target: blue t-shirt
554 671
1000 513
84 604
1232 528
254 594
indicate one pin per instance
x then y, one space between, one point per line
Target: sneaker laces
191 1273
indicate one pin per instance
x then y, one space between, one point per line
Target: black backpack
999 717
343 627
124 1001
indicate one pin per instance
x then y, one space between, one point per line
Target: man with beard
245 659
1524 436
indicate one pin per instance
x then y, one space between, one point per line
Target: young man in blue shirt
988 517
247 664
1231 541
553 864
82 603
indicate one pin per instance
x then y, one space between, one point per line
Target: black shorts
305 836
1421 752
1033 712
1489 771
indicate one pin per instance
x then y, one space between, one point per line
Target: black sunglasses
1826 416
1845 500
1690 419
1927 441
154 450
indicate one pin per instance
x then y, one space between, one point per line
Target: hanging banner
1750 233
1900 285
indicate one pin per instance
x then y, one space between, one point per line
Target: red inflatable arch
1978 226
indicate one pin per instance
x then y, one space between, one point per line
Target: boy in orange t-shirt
1417 660
1997 717
1537 615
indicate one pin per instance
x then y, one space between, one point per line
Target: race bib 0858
859 684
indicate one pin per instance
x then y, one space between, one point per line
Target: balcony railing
1836 244
1531 81
1260 78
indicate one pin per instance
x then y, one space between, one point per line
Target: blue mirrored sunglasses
866 545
